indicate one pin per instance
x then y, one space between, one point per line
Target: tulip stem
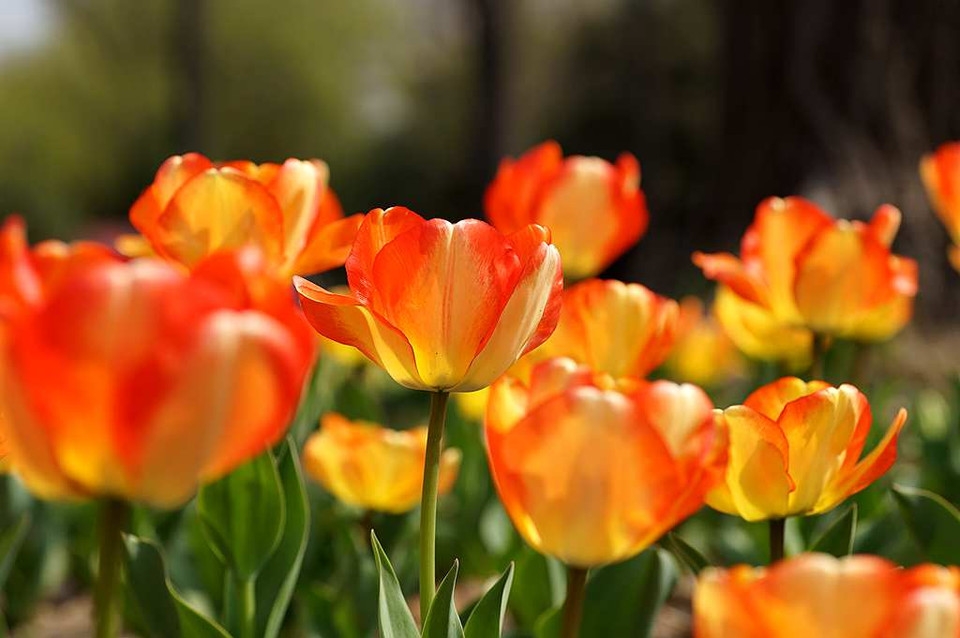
777 530
247 606
821 343
107 603
573 606
428 501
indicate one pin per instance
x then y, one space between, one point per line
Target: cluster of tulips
142 373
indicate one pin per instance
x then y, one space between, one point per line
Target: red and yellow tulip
135 380
591 469
195 208
624 330
372 467
441 306
794 449
940 171
819 595
595 209
805 270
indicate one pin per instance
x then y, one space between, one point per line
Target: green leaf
486 619
933 522
442 619
837 539
549 624
396 621
539 586
242 515
164 612
684 553
10 542
278 577
624 599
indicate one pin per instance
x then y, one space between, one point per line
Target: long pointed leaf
396 621
442 619
486 619
10 543
838 539
933 521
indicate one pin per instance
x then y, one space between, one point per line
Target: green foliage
395 618
486 619
934 523
838 539
163 611
10 542
442 619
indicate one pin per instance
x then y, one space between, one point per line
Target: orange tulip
703 353
794 449
135 380
941 175
595 209
810 271
819 595
624 330
195 207
441 306
371 467
758 334
592 470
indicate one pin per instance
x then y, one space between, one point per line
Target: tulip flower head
372 467
819 595
794 449
592 470
135 380
595 209
195 208
832 277
621 329
703 353
441 306
941 175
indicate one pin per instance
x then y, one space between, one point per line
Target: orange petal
771 399
759 334
329 246
885 223
941 175
510 199
731 272
298 187
378 228
173 173
345 320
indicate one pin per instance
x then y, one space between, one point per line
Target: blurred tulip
819 595
833 277
794 449
592 470
195 207
940 171
703 353
441 306
758 334
624 330
371 467
133 380
595 209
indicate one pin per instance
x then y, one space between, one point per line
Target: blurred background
413 102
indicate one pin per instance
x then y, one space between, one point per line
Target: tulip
809 271
941 175
472 405
794 449
371 467
593 469
114 364
624 330
819 595
441 306
195 208
595 209
703 353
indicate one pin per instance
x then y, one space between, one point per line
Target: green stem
777 530
860 367
821 343
107 603
246 590
573 606
428 501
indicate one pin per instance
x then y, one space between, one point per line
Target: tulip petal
510 200
378 228
771 399
345 320
218 209
329 246
757 333
298 187
173 174
868 470
758 483
731 272
19 281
